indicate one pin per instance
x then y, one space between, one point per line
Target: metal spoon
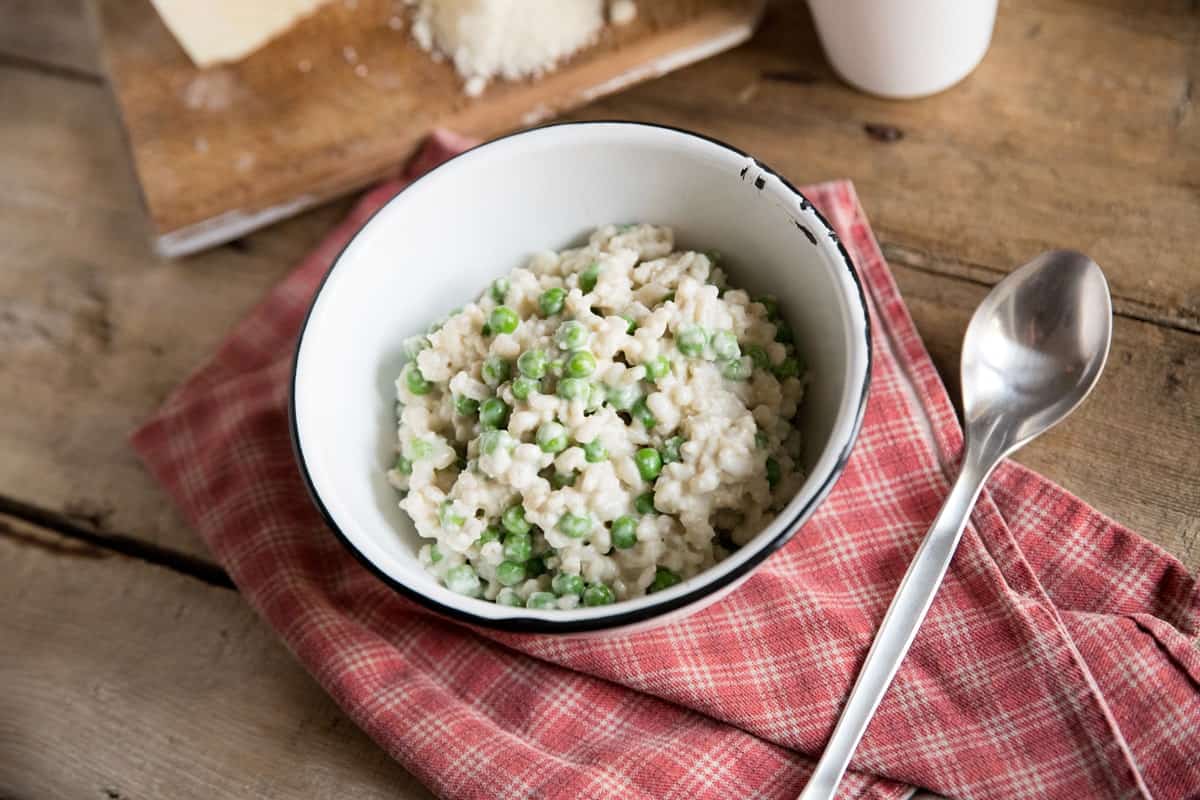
1033 350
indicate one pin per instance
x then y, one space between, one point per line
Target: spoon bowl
1034 349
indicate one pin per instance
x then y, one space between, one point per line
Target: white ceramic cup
904 48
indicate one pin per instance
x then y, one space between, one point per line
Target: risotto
603 423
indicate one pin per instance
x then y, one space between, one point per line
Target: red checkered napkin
1059 659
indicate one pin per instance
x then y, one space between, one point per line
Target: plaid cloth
1058 660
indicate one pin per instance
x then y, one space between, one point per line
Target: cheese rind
219 31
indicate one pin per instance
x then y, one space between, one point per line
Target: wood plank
1133 449
1077 130
342 97
98 311
94 330
123 680
50 34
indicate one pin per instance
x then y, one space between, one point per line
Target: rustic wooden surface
341 98
120 645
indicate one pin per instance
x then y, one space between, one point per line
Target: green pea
623 398
725 345
663 578
657 367
645 503
463 580
494 413
783 332
630 323
595 451
541 600
624 532
560 479
588 278
649 463
580 364
466 406
759 356
596 397
510 573
415 381
574 388
567 584
535 566
773 472
551 301
598 595
486 330
499 289
551 437
490 534
518 547
691 340
503 320
761 440
770 304
670 450
571 335
507 597
522 387
496 370
738 369
449 517
492 440
575 525
420 449
642 413
403 465
513 520
788 368
532 363
435 555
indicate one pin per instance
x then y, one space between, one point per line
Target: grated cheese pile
510 39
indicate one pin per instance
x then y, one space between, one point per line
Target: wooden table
131 670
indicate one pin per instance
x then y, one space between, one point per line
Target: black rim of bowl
618 618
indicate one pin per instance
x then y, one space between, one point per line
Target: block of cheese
216 31
511 39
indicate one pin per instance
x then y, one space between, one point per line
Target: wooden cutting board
341 100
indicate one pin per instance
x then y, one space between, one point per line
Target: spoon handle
899 628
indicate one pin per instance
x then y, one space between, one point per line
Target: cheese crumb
622 12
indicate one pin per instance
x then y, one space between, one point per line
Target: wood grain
1077 130
51 35
1133 448
95 330
123 680
97 311
339 100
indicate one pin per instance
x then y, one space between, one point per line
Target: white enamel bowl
442 240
